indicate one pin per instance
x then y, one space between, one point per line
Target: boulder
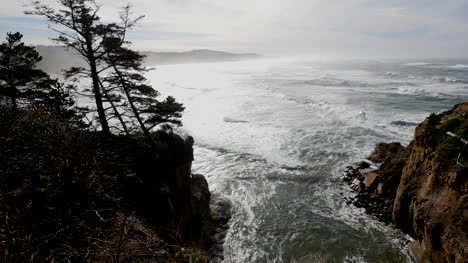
383 151
380 188
370 179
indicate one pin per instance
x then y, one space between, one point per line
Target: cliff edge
431 199
68 194
422 188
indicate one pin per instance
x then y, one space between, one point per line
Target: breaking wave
417 64
274 137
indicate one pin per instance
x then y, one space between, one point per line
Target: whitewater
275 135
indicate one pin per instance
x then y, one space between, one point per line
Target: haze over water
274 136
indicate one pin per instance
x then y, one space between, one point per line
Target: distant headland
56 58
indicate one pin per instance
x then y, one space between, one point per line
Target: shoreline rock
217 229
376 188
422 188
214 213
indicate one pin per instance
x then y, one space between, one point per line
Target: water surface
274 137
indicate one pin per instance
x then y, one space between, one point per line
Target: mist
355 28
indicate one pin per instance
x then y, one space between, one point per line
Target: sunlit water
274 136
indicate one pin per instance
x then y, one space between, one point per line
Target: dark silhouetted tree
23 85
128 77
79 27
18 70
54 97
130 98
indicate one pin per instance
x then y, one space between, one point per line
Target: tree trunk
117 113
12 94
96 87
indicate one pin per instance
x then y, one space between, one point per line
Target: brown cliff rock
377 188
422 188
431 200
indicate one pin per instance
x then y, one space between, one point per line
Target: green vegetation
449 149
431 133
192 256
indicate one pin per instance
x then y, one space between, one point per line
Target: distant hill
56 58
194 56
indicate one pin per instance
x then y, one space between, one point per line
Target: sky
347 28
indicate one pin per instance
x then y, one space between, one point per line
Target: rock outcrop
218 227
423 188
431 200
164 190
214 213
73 195
377 187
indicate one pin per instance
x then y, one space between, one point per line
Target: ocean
275 135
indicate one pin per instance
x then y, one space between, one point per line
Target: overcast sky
354 28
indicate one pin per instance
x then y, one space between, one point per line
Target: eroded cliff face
431 199
377 187
422 188
162 189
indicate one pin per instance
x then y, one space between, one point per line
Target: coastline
421 188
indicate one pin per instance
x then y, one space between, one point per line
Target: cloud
323 27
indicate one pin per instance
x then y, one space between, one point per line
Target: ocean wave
328 82
447 66
416 91
459 66
232 120
289 167
448 79
411 90
417 64
391 74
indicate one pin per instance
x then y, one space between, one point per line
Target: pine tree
23 85
104 46
126 80
18 69
128 75
79 28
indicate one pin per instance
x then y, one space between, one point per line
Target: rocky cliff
74 195
423 188
431 200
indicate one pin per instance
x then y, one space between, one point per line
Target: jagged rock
380 187
220 209
200 196
363 165
219 237
225 226
423 194
392 157
216 229
370 179
383 151
429 204
355 184
382 182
